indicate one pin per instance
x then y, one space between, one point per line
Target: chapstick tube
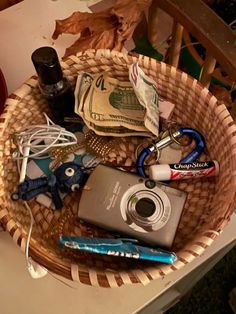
184 171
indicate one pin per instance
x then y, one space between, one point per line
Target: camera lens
145 207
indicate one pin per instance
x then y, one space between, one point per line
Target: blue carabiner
200 144
192 156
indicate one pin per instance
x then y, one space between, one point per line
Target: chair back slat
207 70
176 42
204 24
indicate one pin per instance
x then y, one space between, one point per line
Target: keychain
171 153
66 178
170 139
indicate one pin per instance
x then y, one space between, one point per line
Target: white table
23 28
28 25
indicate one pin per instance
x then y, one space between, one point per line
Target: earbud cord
33 134
29 234
28 259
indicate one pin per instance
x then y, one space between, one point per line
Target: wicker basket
209 205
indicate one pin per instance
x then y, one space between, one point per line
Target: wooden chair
209 29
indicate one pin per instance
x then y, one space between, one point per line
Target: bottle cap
47 65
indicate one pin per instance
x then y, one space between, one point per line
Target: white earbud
35 142
36 271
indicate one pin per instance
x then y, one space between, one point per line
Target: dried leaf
107 29
80 22
101 40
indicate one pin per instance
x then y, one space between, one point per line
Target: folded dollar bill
146 91
115 108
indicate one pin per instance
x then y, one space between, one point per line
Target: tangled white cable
35 141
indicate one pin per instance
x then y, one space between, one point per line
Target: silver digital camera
131 205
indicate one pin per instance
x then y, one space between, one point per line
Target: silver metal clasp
166 141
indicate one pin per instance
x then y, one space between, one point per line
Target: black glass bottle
53 85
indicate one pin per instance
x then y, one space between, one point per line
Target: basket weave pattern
209 205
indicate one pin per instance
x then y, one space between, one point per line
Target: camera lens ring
150 223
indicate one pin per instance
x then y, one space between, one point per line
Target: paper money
123 118
146 91
115 108
114 131
113 103
108 130
84 81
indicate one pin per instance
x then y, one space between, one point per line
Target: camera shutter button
150 184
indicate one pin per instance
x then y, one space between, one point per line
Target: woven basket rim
73 271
